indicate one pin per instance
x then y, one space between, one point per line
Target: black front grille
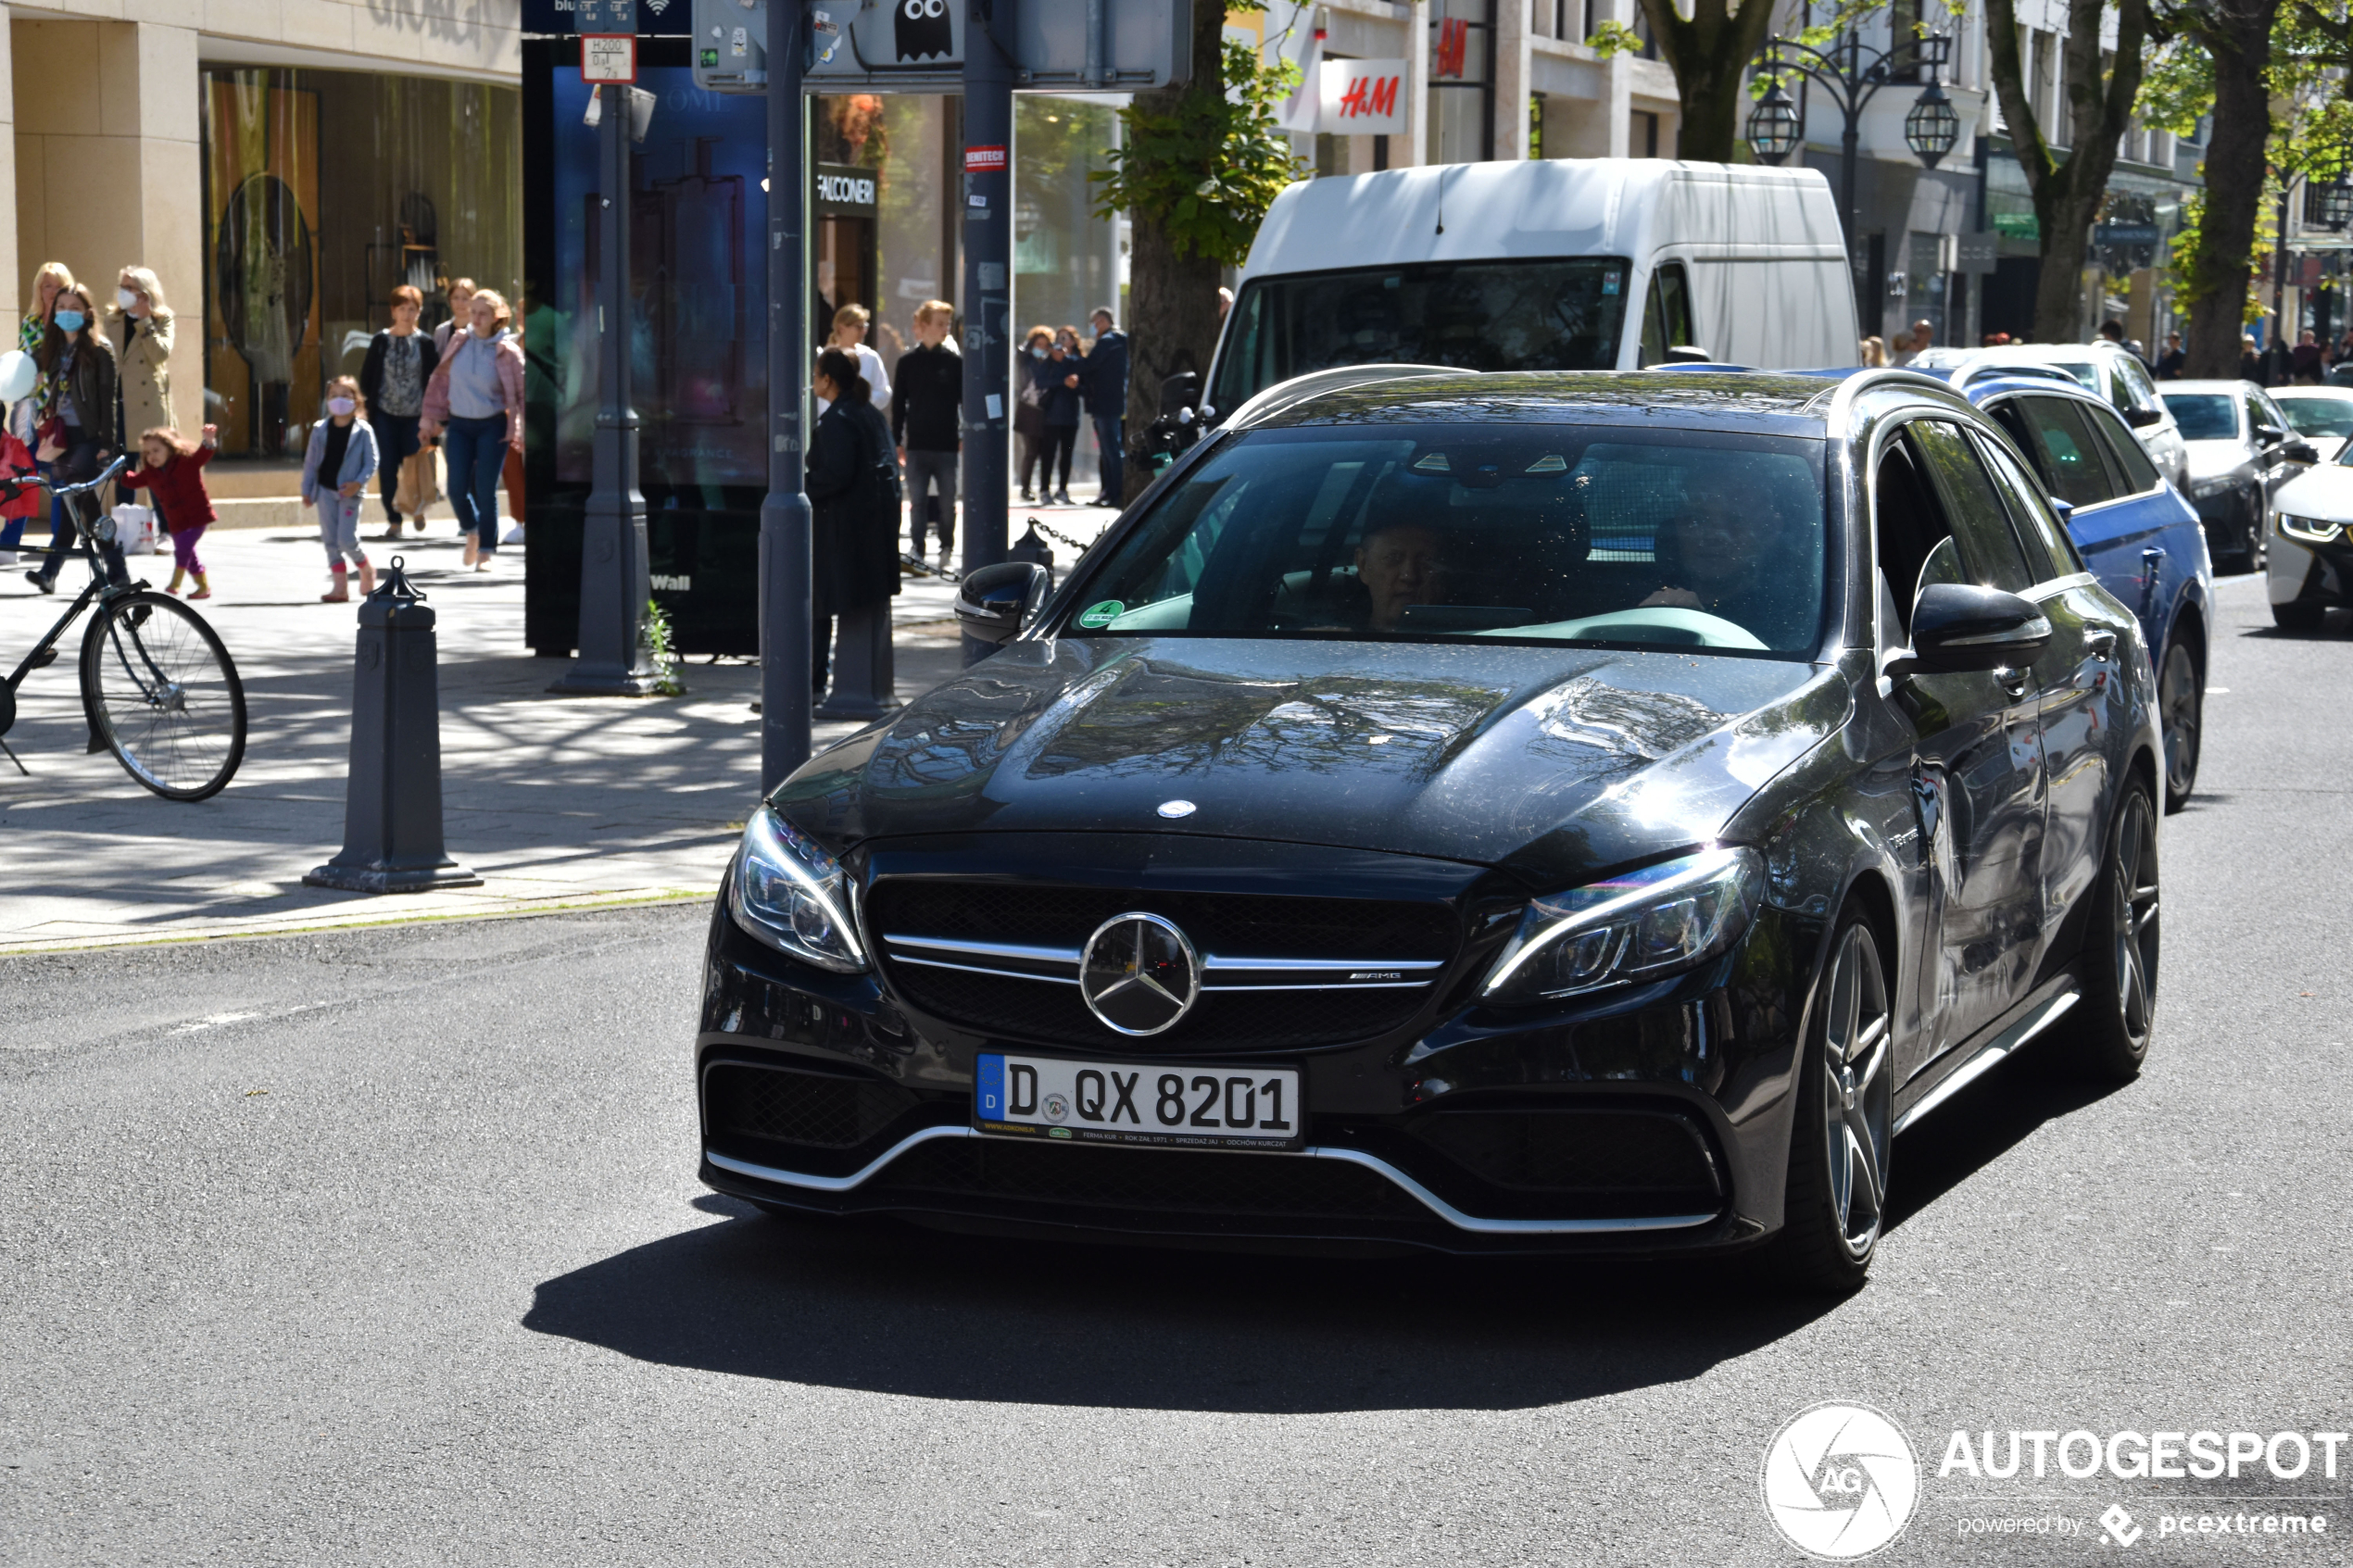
1227 925
804 1110
1158 1180
1574 1151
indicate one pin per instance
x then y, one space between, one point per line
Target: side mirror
2270 435
2066 509
2141 419
2301 452
1957 627
1688 354
994 603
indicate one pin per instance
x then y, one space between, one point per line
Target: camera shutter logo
1839 1481
1140 974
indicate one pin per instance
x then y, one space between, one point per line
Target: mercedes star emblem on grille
1140 974
1175 809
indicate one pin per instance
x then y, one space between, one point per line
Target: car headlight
2202 488
2312 528
1646 923
794 897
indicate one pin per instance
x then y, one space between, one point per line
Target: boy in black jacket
926 417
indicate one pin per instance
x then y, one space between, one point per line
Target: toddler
171 471
336 470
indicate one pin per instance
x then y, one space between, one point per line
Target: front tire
2108 1032
1837 1193
161 692
2181 705
2299 615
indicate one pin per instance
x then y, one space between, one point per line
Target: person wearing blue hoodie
336 470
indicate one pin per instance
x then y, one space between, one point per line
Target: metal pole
1846 156
784 514
613 660
989 269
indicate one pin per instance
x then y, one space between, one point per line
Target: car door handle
2014 681
2100 643
2152 576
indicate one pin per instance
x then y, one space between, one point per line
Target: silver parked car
2242 450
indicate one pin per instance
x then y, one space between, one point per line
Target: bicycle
157 687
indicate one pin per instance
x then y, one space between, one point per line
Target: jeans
79 464
923 470
339 527
476 453
1111 435
395 439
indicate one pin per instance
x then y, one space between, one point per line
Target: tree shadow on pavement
888 1308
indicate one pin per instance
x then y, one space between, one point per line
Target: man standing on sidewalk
926 412
1103 380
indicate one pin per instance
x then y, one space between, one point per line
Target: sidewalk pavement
555 802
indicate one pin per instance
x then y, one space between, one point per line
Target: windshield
1554 533
2317 416
2205 416
1473 315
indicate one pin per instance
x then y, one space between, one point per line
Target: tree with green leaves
1709 52
1197 169
2068 188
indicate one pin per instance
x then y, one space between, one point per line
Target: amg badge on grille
1140 974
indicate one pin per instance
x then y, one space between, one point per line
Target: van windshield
1549 315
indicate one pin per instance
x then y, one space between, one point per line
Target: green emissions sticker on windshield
1102 614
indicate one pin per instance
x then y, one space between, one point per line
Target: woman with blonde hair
1874 352
139 328
476 397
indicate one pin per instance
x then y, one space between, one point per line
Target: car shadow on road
893 1308
1978 1126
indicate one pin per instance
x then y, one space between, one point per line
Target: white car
2321 414
2311 565
2102 369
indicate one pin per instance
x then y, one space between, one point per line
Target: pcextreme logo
1839 1481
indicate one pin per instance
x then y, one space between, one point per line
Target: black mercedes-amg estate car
1485 813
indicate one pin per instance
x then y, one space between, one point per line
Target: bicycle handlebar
88 485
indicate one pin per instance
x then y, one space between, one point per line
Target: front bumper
2304 569
1648 1119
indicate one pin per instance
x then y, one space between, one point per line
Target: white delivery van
1559 264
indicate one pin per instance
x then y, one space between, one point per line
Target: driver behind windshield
1729 552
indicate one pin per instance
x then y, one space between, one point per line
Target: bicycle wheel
161 691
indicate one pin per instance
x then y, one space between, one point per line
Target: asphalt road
384 1246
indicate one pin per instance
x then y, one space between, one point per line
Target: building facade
281 165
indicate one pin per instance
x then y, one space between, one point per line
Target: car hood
2208 459
1551 761
2325 492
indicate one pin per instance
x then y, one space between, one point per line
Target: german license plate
1193 1105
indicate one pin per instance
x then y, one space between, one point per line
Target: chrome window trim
1437 1206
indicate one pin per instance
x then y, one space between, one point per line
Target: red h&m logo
1373 95
1454 45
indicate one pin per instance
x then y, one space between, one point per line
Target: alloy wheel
2178 711
1858 1089
2132 923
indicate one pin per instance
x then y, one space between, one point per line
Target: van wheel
2106 1035
1838 1156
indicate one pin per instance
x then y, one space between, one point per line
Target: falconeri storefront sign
846 191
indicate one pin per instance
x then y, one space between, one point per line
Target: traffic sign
607 58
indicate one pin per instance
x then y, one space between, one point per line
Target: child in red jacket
27 500
171 468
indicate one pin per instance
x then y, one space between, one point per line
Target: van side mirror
2064 509
2270 435
2141 419
1957 627
995 602
1689 354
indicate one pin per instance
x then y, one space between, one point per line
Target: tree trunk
1172 300
1708 51
2238 34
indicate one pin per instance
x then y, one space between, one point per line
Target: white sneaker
512 536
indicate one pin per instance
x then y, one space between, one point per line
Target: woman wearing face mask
139 328
336 469
1057 379
26 413
1029 409
78 437
476 397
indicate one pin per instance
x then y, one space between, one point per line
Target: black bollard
863 676
392 801
1030 547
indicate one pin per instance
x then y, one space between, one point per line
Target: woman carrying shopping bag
474 401
392 381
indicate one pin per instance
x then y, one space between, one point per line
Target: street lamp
1772 126
1853 75
2328 205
